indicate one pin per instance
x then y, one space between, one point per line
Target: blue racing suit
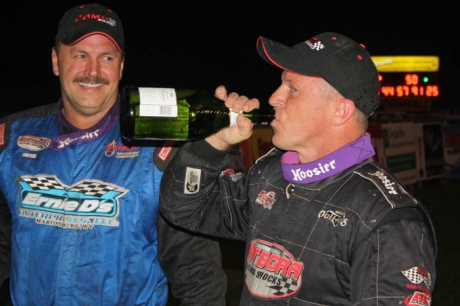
78 210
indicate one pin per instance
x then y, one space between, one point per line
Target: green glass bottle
157 114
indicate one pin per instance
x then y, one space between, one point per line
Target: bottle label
233 116
157 102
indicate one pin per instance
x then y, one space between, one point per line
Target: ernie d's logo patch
192 180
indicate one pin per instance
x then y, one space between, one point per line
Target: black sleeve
5 239
191 262
193 265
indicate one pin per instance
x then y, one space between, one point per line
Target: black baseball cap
85 20
343 63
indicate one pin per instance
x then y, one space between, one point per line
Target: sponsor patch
272 272
266 199
418 299
84 205
228 171
29 155
192 180
120 150
236 176
336 217
33 143
389 185
418 275
415 287
164 153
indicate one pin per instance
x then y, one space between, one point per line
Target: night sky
180 46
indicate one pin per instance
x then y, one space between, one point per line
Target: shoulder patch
403 204
388 184
162 155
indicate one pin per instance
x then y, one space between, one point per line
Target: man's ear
345 108
122 66
54 61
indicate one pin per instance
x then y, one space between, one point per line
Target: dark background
192 45
188 44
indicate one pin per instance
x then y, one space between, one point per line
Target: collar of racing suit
72 135
345 157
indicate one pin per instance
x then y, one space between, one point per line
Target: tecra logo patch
272 272
418 299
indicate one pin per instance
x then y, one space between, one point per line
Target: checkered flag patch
416 277
43 183
92 188
286 288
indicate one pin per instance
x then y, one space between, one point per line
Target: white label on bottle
233 116
157 102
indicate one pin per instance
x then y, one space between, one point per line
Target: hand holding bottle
226 137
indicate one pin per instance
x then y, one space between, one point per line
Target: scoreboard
411 84
408 83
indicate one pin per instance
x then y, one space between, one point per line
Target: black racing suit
354 238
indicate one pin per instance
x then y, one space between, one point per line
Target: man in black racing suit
324 224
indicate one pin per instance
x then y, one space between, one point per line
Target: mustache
91 80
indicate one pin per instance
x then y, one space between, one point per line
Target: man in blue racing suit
78 208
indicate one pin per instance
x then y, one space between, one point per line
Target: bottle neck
264 119
259 119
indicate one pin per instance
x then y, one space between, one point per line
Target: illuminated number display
400 85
